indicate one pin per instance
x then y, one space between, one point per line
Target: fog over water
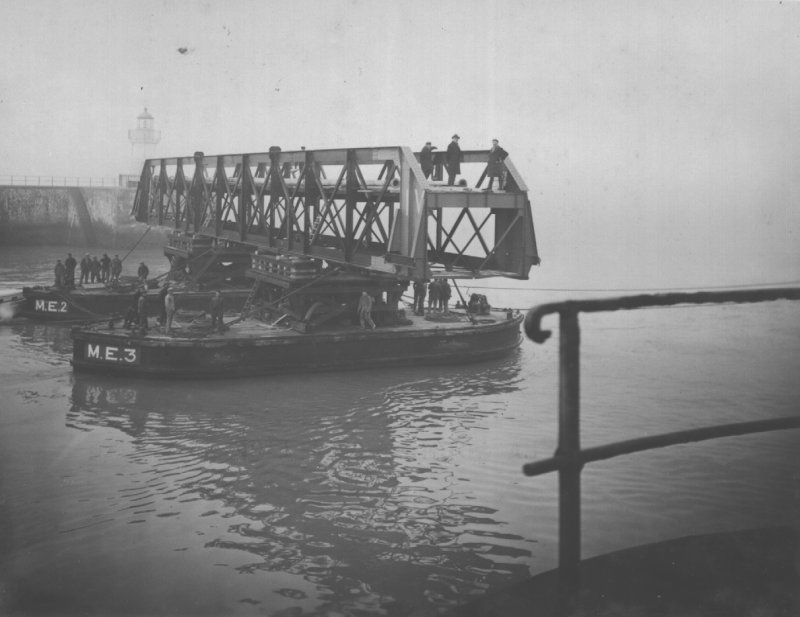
659 140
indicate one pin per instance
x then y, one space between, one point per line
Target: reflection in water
350 486
54 337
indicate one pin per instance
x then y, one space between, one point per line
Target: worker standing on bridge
495 167
70 264
365 310
426 159
453 160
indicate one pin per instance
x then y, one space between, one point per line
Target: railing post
569 475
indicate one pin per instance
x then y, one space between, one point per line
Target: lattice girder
369 208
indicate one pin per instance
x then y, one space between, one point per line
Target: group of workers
438 292
91 270
137 315
453 158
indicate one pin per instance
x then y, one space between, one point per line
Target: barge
199 266
99 302
325 237
257 348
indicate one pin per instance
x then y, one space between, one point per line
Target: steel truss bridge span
367 208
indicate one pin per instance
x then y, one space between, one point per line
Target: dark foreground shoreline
749 573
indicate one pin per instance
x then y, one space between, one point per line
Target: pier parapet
66 214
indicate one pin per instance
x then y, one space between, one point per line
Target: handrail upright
569 450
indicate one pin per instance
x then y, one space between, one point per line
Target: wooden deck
191 327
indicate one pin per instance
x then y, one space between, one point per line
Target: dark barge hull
275 352
53 305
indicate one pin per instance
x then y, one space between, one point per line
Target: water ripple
385 492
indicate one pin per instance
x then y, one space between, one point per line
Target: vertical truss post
180 190
245 196
274 191
218 196
290 214
189 209
197 193
259 217
162 182
351 200
141 200
311 174
439 230
223 196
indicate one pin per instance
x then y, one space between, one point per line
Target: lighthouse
143 140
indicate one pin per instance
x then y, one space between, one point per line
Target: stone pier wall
77 216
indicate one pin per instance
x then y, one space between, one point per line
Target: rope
640 289
137 243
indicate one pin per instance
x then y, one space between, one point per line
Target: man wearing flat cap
453 160
495 167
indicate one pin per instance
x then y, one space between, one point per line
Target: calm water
388 492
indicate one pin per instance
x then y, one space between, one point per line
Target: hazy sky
660 141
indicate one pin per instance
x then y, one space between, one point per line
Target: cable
648 308
639 290
137 244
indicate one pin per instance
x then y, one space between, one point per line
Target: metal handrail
569 458
58 181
